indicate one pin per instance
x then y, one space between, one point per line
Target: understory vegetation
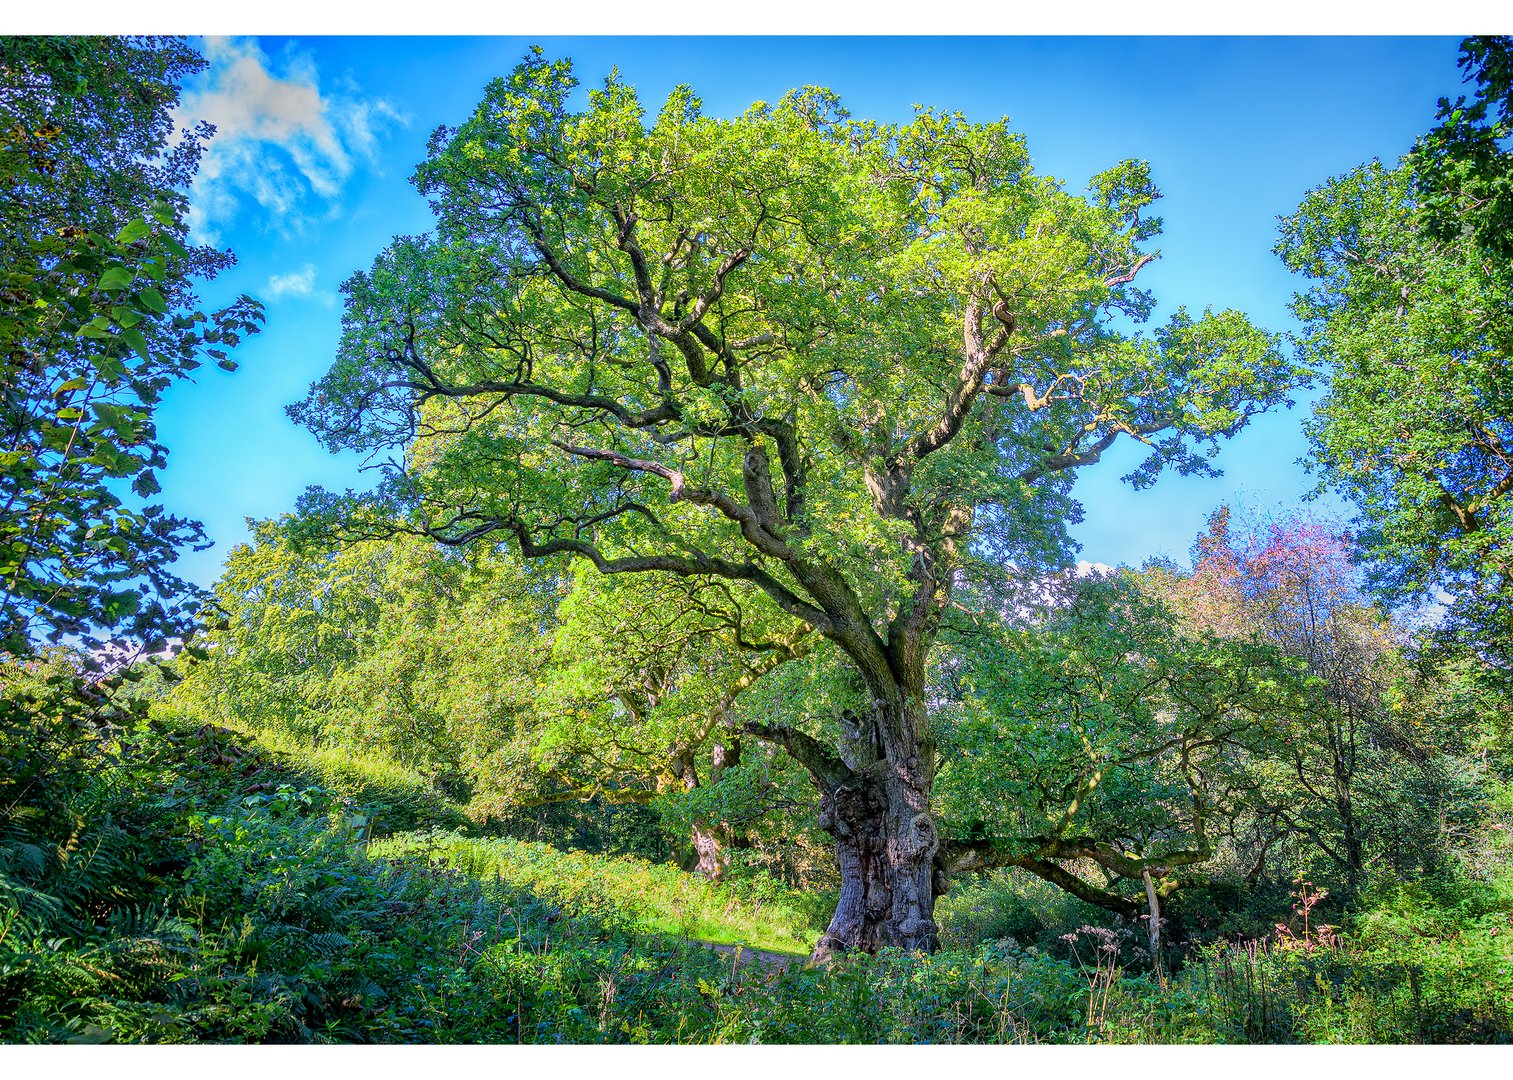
205 887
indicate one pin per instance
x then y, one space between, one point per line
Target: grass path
653 897
746 957
770 925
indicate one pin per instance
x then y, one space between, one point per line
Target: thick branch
1129 275
828 770
751 525
1064 879
969 381
561 272
988 853
1073 458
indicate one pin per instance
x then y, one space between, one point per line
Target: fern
330 941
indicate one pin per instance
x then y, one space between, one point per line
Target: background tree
1409 320
1107 746
834 360
1352 776
398 648
644 697
514 688
288 627
96 321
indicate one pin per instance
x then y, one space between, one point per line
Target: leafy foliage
1239 803
1463 171
1409 320
794 360
96 321
1107 730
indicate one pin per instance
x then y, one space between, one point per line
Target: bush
1010 905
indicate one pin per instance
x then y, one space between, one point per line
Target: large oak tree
833 365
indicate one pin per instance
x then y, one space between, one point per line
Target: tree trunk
1355 853
885 844
711 841
1155 917
711 850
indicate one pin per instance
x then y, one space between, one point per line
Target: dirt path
772 961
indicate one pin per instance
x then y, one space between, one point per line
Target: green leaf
117 277
153 300
121 605
138 342
134 230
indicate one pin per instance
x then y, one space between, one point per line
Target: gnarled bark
885 849
876 808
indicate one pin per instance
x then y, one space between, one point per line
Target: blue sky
307 180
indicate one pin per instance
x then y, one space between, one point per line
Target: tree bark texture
711 846
885 845
711 840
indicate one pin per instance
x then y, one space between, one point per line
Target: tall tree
1463 170
836 361
97 319
1411 320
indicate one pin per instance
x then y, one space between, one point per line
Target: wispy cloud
299 283
282 145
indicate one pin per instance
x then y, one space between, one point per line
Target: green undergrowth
190 884
393 797
658 898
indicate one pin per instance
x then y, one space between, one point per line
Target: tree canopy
841 365
1409 319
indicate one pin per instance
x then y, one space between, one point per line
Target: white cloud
299 283
281 144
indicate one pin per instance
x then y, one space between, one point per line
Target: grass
651 897
506 939
396 798
266 920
